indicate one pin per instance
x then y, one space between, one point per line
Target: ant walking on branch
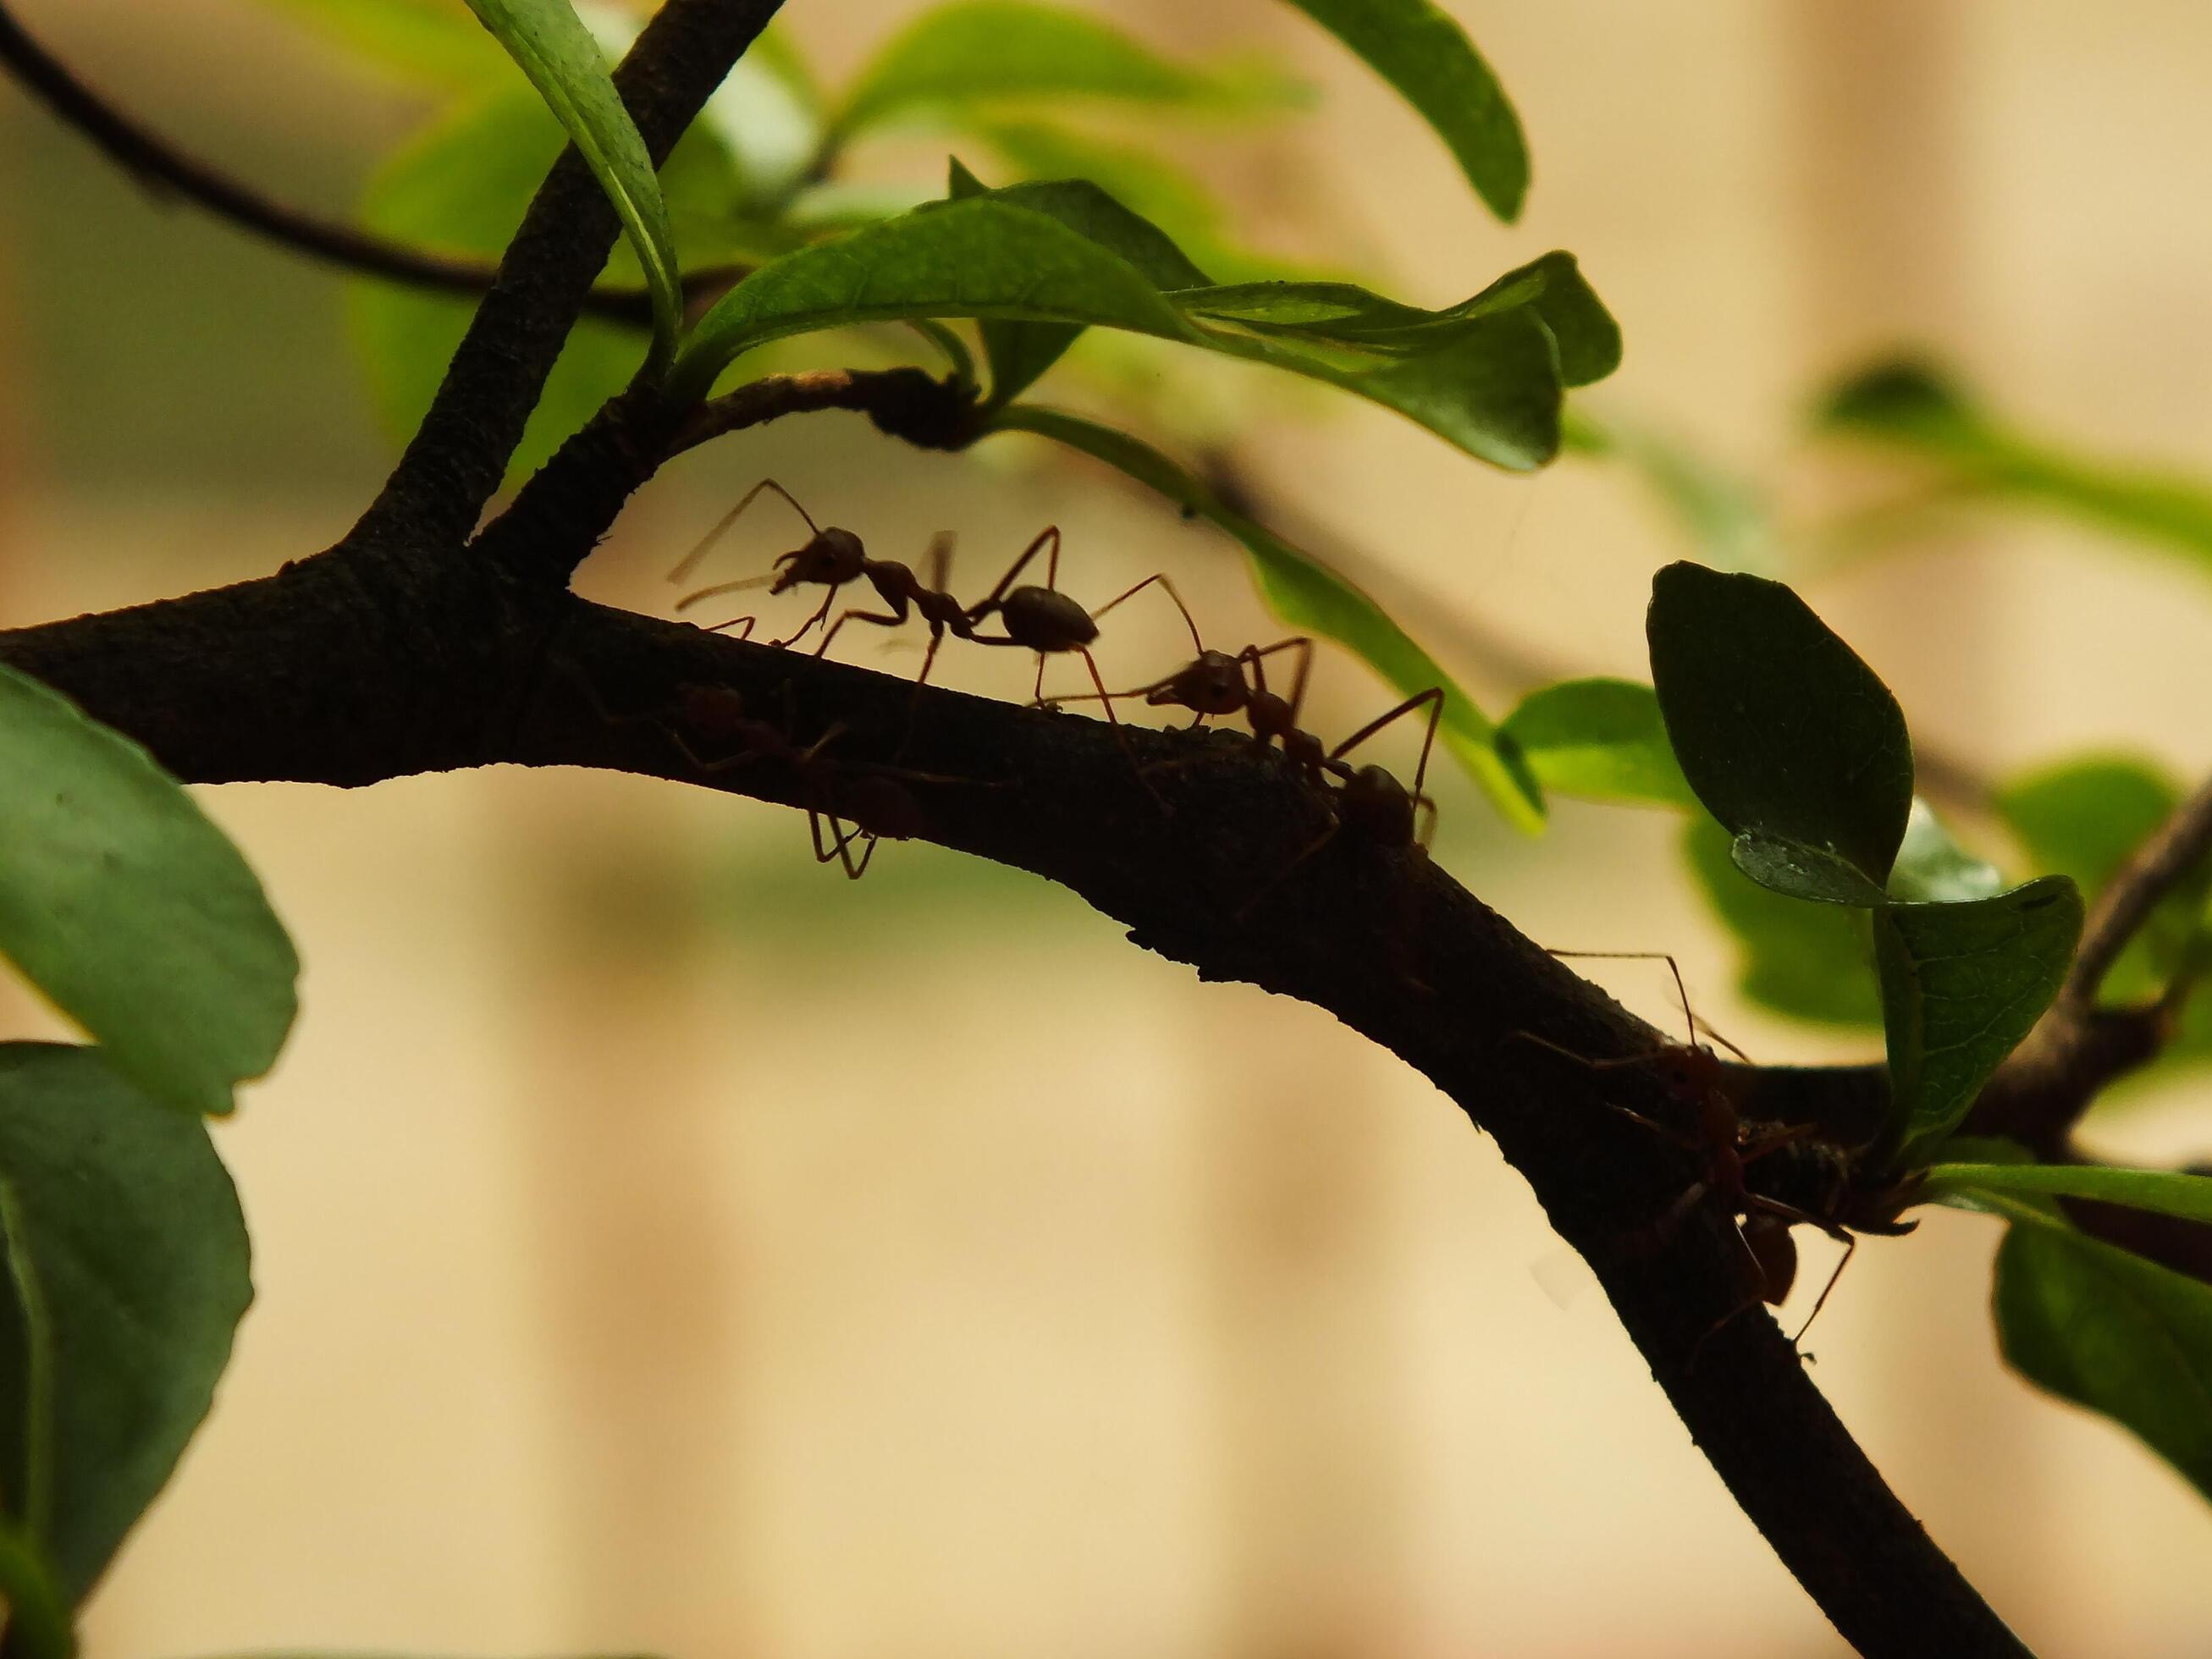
1727 1143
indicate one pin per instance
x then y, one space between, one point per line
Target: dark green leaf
126 1245
1932 868
2083 818
1308 594
2160 1192
986 52
1785 733
133 912
1961 985
2108 1330
1427 56
1493 389
1598 737
1017 352
1915 410
38 1613
1347 315
566 65
1810 962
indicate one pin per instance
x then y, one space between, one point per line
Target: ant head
883 806
832 558
1046 619
711 710
1375 807
1214 684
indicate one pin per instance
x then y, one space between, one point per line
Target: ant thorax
714 711
1046 619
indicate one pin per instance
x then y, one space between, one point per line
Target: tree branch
457 457
165 170
302 676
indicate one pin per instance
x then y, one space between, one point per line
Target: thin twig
2175 851
165 170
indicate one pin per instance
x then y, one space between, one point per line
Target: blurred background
665 1245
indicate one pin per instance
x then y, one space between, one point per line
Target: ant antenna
690 561
1159 576
1681 990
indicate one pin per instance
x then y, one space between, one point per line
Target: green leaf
463 185
2084 819
1914 409
129 1255
1787 738
1345 314
1427 56
1932 868
2160 1192
1810 962
1598 737
1493 389
986 51
1308 594
1961 985
425 40
2107 1329
133 913
563 62
38 1614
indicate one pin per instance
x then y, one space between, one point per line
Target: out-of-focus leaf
1493 389
1347 315
2083 818
1427 56
128 1260
2107 1329
564 62
1308 594
1915 410
1810 962
985 52
1932 868
1961 985
133 913
1598 737
38 1613
1789 738
1728 521
424 40
462 186
2161 1192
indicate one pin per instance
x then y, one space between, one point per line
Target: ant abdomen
1046 619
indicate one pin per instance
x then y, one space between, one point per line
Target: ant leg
690 562
1434 697
841 846
938 560
1673 966
1851 1246
883 618
990 601
1120 735
733 622
1161 577
720 588
806 626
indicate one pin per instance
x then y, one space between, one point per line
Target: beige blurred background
666 1246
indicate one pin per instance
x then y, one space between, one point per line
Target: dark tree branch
317 674
456 458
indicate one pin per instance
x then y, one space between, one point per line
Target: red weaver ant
1728 1144
832 557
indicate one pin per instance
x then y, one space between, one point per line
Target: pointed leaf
986 52
1427 56
563 62
2108 1330
1961 985
2160 1192
1308 594
1932 868
1785 733
133 913
1598 737
128 1255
